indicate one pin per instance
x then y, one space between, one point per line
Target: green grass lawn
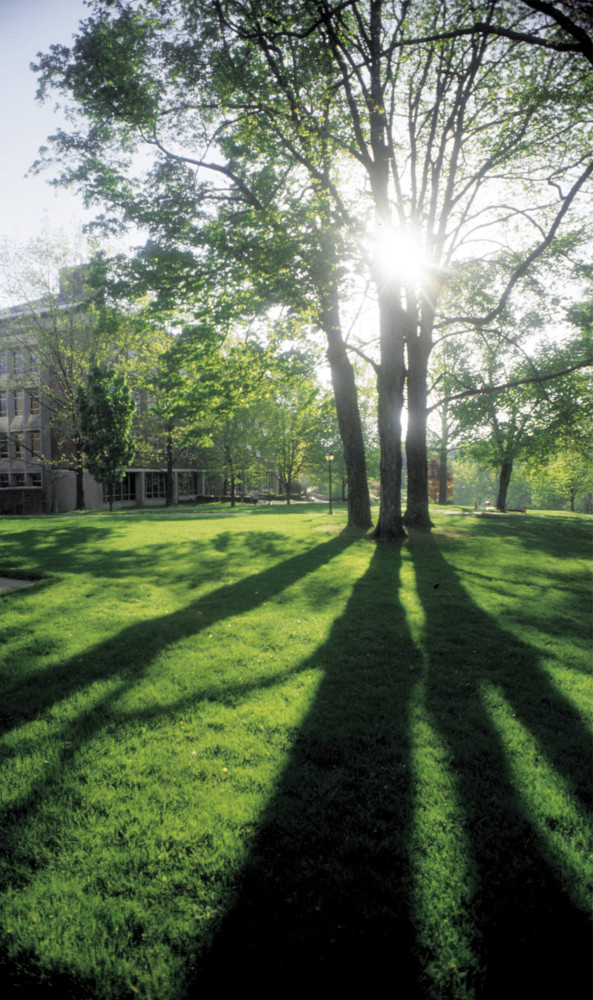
255 750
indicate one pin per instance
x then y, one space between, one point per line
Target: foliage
294 148
106 412
564 480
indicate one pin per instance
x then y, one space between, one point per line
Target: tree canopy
337 160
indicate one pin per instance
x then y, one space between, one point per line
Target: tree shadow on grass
531 937
91 548
324 900
125 659
127 656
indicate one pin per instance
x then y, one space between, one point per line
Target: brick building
42 355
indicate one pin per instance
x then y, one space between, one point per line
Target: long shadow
125 659
91 547
324 900
531 938
125 656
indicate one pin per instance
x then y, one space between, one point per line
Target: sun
398 255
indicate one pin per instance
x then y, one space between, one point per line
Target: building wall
24 429
34 442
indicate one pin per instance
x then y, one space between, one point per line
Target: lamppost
329 456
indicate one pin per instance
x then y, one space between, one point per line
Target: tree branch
489 390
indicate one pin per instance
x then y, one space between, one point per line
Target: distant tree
106 411
565 479
437 492
294 424
522 407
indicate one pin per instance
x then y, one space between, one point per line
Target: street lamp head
329 456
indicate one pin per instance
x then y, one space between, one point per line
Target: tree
520 406
440 482
413 133
163 424
106 412
184 197
293 424
565 478
448 372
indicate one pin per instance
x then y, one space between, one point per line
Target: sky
29 205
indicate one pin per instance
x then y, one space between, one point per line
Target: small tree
106 412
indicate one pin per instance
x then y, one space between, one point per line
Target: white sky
30 205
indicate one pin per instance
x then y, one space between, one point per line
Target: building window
3 365
36 443
18 362
126 490
34 479
187 483
154 486
4 481
3 445
18 403
18 479
35 405
3 404
19 446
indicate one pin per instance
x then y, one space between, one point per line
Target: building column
140 487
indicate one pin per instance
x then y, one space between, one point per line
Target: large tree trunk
390 390
417 515
349 422
390 401
503 484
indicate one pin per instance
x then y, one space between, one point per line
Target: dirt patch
8 583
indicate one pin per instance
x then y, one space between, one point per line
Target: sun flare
399 255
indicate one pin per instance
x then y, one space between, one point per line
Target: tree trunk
232 472
79 473
444 459
390 393
79 488
169 483
503 484
110 498
417 515
390 402
348 414
443 477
